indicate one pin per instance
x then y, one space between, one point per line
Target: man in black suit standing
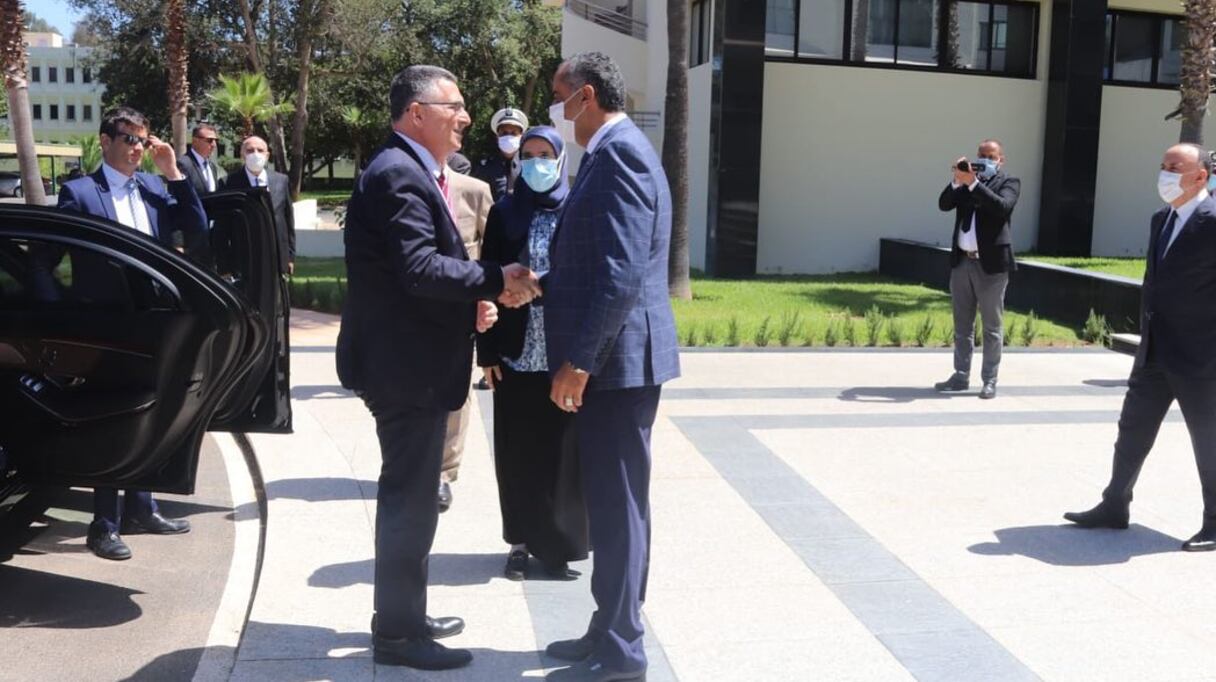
1178 332
255 153
196 163
406 345
982 197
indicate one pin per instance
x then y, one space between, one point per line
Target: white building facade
818 127
65 95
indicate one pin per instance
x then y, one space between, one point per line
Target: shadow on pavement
1068 545
319 392
175 665
453 570
1106 383
896 394
32 599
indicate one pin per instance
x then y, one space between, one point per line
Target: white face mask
565 126
255 162
1169 186
509 144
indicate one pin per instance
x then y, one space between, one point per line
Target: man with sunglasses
145 203
197 165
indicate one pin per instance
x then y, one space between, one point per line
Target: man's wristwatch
577 370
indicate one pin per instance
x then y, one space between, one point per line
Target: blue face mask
541 174
990 168
1212 184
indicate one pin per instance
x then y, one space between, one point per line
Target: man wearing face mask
256 153
500 171
1178 331
982 197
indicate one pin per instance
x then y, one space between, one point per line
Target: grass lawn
1126 267
814 310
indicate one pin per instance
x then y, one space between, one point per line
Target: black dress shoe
560 571
517 565
1102 516
423 654
445 496
573 649
108 545
957 382
447 626
1203 541
988 392
154 524
594 671
482 385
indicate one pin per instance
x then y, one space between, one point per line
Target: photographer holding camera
982 197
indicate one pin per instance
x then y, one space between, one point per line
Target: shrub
873 320
850 329
709 335
790 325
1010 331
1030 329
732 332
1096 329
831 336
895 332
690 336
764 333
947 334
808 335
924 331
978 334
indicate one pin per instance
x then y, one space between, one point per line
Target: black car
10 185
114 381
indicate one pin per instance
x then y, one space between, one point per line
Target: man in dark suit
406 345
1178 332
982 197
196 163
142 202
611 342
255 153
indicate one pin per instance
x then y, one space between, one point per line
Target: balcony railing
618 19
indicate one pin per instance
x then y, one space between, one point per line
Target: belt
973 255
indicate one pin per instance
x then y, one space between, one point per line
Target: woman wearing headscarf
543 514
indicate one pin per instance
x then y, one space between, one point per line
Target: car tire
17 192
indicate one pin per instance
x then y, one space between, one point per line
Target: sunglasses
130 139
209 140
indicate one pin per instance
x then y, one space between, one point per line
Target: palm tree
15 61
177 57
948 34
1195 80
358 120
247 97
675 146
90 152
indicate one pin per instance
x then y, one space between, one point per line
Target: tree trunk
675 146
310 22
1195 84
948 34
278 148
178 59
861 29
15 60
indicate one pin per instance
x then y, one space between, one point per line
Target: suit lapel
432 187
104 195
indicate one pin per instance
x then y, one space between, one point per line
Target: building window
994 37
699 35
36 74
52 74
1144 49
37 112
86 75
54 112
87 112
69 74
71 112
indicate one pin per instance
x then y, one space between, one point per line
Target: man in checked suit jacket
406 345
611 341
1178 332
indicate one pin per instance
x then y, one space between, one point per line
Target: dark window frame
699 21
86 112
894 65
1159 20
36 111
69 74
52 74
35 74
53 112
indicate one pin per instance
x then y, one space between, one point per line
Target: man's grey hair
412 84
1204 156
600 72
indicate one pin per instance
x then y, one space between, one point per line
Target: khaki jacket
471 200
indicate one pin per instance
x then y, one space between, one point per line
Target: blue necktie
1163 239
133 200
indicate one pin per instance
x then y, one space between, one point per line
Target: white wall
1133 138
699 85
629 53
851 155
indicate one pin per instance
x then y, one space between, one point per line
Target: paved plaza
817 516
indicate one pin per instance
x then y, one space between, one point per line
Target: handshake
520 286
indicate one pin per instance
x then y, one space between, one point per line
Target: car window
38 274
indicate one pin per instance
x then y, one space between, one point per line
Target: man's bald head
1191 163
252 144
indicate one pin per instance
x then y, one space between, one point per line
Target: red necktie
447 194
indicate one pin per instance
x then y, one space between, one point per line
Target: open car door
115 352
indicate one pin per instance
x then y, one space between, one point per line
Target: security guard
499 172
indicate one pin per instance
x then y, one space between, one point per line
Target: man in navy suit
611 341
406 345
145 203
1178 332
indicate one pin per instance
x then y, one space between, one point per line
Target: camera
974 167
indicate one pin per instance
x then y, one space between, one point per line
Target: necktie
208 177
1163 239
443 188
134 200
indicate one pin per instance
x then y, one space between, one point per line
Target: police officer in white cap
499 171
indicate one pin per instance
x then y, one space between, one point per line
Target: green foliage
978 332
1010 331
1096 329
924 331
764 333
690 336
1030 329
831 336
709 335
947 334
850 329
90 152
809 334
873 320
895 332
245 100
732 332
790 325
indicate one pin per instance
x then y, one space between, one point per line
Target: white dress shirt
599 134
260 180
205 167
129 206
967 240
1184 212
